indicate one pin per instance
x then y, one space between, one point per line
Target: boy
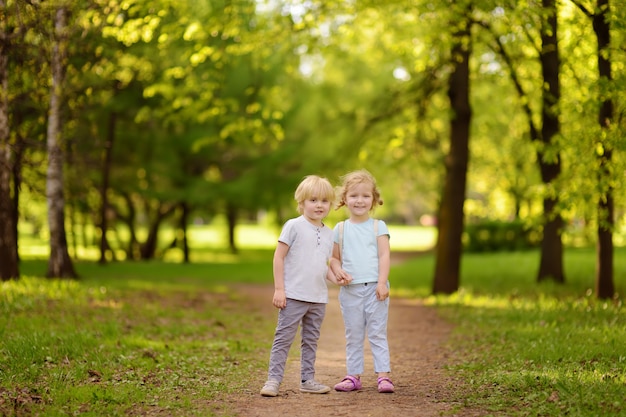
300 269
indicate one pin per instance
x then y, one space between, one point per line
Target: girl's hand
382 292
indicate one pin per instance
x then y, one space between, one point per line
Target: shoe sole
324 391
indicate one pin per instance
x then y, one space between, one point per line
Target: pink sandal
385 385
349 383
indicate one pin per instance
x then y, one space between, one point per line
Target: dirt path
417 339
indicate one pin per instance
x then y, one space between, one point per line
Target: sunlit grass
208 243
121 338
535 357
525 348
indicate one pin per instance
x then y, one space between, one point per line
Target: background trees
174 112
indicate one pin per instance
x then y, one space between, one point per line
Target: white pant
363 313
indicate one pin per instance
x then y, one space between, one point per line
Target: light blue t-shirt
359 255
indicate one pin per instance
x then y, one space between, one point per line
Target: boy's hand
279 300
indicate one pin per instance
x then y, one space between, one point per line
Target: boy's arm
334 267
279 300
330 275
384 264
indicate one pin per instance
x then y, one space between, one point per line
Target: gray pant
310 316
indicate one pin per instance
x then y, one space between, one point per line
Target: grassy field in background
207 242
162 337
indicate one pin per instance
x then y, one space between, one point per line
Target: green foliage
486 236
216 103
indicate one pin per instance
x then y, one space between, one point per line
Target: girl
360 263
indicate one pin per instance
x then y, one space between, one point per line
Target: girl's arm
384 263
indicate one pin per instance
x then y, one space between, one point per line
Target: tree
450 218
544 129
605 287
59 264
606 203
548 157
9 268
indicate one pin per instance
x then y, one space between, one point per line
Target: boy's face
315 209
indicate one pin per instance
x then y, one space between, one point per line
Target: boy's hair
358 177
314 186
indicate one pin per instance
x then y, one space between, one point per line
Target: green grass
170 339
528 349
152 338
207 242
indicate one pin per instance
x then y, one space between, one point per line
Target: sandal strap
352 379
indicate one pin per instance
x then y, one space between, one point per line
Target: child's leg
311 324
377 313
352 310
286 329
377 317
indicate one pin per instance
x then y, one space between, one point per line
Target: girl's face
315 209
359 199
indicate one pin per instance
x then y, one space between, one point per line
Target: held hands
336 273
343 278
279 300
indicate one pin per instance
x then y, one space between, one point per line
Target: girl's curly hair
358 177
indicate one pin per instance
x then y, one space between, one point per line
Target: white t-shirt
359 255
306 263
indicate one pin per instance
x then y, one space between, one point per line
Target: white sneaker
313 387
270 389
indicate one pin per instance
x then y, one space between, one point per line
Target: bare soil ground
417 339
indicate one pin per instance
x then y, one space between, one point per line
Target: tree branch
500 50
582 8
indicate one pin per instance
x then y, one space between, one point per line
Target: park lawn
159 337
130 339
528 349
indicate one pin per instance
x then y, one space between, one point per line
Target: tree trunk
104 200
231 215
59 264
184 220
149 247
551 263
9 268
133 248
18 158
450 220
606 217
